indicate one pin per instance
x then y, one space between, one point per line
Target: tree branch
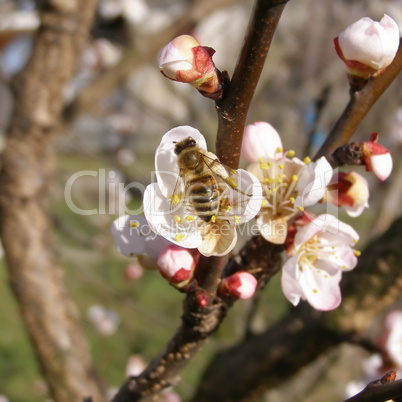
232 109
26 178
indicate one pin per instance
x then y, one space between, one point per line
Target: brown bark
35 273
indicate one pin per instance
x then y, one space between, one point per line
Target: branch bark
232 110
26 178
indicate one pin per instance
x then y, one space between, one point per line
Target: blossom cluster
196 204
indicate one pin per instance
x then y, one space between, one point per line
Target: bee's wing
235 191
222 172
178 195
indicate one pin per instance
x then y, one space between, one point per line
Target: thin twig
232 109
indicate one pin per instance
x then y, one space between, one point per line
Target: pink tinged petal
371 43
128 234
166 166
313 182
381 165
177 55
162 221
261 140
240 285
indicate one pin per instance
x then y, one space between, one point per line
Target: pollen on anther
177 219
300 208
279 150
295 178
175 198
281 166
189 218
264 203
236 219
315 291
213 219
134 224
179 237
292 200
307 160
291 153
357 253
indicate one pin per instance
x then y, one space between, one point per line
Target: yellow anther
307 160
267 180
295 177
236 219
179 237
357 253
301 209
290 153
228 208
134 224
141 256
281 166
354 241
189 218
264 203
269 163
315 291
175 198
264 166
177 219
281 176
279 150
232 182
213 218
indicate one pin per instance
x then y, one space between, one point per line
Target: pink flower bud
261 140
177 264
240 285
367 47
376 157
185 60
348 190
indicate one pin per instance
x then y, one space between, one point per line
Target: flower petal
313 182
261 140
128 235
218 239
382 165
167 169
173 227
290 281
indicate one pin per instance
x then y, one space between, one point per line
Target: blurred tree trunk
35 273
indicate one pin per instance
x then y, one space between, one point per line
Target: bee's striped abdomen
204 196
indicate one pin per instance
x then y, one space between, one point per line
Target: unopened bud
367 47
185 60
240 285
177 265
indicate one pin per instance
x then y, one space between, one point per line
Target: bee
203 179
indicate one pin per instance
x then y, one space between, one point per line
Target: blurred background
117 108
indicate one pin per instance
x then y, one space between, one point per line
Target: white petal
290 281
273 230
245 200
321 289
382 165
313 182
390 39
128 234
166 166
162 221
218 239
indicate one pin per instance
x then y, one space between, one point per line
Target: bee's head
186 143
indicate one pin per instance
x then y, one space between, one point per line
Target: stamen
179 237
307 160
189 218
134 224
177 219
